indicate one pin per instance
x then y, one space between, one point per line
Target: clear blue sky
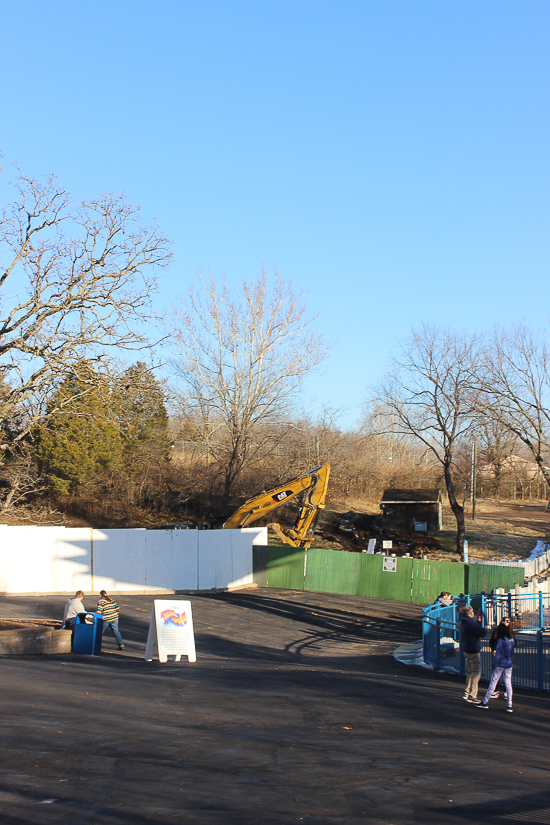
390 157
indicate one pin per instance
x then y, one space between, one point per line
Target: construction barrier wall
360 574
63 559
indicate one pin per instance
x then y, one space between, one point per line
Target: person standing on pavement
471 634
110 611
73 607
493 641
502 665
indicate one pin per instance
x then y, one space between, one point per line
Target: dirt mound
353 530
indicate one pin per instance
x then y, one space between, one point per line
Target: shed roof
393 496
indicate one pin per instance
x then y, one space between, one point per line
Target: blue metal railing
530 618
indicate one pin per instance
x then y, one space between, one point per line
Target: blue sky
392 158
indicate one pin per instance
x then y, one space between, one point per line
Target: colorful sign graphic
171 617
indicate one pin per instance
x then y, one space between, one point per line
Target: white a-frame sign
171 631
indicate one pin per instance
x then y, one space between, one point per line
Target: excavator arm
315 483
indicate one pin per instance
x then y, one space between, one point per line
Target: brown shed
411 510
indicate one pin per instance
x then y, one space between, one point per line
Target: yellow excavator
315 482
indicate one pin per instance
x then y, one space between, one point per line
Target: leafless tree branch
76 280
431 394
241 363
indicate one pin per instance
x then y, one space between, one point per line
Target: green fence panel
486 577
332 571
431 577
375 581
285 568
260 554
417 580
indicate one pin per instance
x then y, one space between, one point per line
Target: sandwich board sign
171 631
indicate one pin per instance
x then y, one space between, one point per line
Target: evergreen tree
143 418
81 441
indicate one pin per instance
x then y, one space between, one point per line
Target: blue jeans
116 632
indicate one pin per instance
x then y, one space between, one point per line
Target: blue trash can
88 631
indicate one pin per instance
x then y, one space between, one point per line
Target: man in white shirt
72 609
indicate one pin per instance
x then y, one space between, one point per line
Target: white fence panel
242 557
69 560
18 565
119 560
215 562
172 559
29 560
63 560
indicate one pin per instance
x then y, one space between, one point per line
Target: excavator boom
315 482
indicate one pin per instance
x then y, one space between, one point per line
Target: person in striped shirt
110 612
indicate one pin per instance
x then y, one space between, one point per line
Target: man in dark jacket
471 634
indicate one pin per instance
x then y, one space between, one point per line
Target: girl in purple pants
502 665
493 645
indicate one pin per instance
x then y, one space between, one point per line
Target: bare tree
20 478
497 445
431 395
241 362
516 389
76 279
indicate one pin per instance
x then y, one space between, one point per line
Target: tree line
447 386
211 408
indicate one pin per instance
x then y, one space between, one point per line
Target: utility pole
473 483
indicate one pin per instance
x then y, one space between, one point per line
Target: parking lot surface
295 712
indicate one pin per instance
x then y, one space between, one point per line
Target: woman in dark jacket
502 664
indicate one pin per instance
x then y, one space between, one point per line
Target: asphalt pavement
294 712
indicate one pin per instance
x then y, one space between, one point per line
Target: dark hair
500 631
105 595
504 631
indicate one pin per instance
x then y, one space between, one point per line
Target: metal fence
530 619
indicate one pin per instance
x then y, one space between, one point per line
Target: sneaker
465 697
495 695
509 710
121 647
473 700
483 706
